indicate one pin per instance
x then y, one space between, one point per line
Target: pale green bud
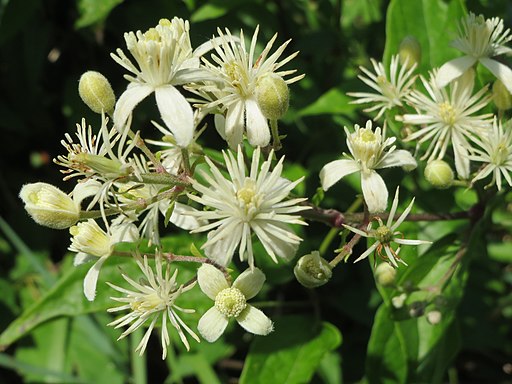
96 92
312 270
409 52
104 166
501 96
399 301
273 96
49 206
385 274
439 174
434 317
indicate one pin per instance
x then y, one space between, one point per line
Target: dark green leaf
292 353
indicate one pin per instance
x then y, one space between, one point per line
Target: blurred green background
44 48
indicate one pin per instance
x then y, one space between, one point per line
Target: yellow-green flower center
230 302
148 303
447 113
500 154
246 194
383 234
387 89
152 35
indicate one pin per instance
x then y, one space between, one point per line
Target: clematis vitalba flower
231 302
369 152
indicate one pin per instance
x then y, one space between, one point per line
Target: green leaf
292 353
94 11
333 101
432 22
404 348
66 298
208 12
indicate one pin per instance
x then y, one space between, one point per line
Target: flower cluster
239 201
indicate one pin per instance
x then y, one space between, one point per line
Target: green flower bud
385 274
96 92
439 174
111 168
501 96
273 96
409 51
49 206
312 270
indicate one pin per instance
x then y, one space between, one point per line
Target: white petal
374 191
211 280
255 321
332 172
454 68
212 324
501 71
411 242
258 132
250 282
461 156
82 258
84 190
220 125
234 127
177 114
182 219
399 158
133 95
91 279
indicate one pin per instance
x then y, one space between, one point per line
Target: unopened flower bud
273 96
434 317
96 92
409 51
111 168
417 309
312 270
501 96
439 174
399 301
49 206
385 274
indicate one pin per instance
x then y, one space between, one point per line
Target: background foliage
51 334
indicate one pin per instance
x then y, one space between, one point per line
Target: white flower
237 73
391 91
479 39
231 302
496 154
248 204
165 59
368 150
94 156
91 242
152 299
447 117
385 234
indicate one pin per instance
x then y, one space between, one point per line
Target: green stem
139 367
275 135
328 240
186 160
